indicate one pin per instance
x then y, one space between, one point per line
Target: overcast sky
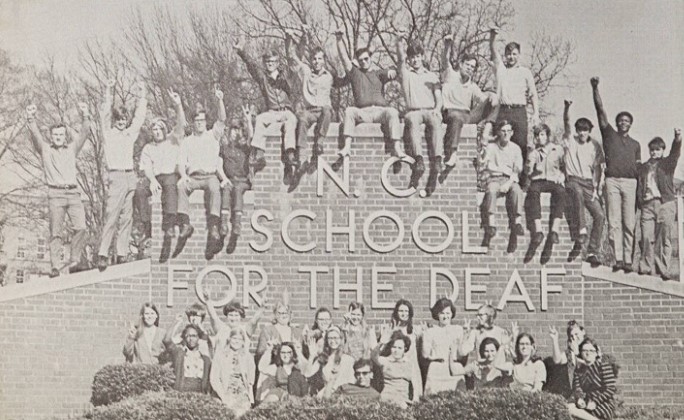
635 47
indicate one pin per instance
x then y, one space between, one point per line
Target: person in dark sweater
235 152
657 200
623 156
362 389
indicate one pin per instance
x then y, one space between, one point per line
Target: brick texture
53 344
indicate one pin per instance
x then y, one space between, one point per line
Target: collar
64 146
485 328
513 67
323 72
419 71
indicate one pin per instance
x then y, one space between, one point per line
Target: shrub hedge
650 413
328 409
170 405
114 383
492 404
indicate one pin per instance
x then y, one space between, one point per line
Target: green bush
492 404
170 405
650 413
327 409
117 382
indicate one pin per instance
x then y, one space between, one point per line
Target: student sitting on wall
657 200
543 168
503 162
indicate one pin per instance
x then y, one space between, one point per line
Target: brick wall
54 343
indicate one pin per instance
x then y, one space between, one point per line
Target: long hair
276 353
395 314
397 335
322 309
141 322
518 357
324 357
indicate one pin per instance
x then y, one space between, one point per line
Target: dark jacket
177 360
665 168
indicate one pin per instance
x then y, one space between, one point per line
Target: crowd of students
396 362
222 160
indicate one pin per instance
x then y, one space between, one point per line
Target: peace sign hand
553 332
175 97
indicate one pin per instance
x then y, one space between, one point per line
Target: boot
291 166
417 171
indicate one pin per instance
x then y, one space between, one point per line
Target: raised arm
37 139
220 124
216 323
265 360
86 127
558 356
495 55
171 332
252 66
567 128
598 104
445 58
401 53
247 119
179 129
342 52
106 110
140 109
675 151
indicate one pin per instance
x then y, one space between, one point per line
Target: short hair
362 363
624 114
120 113
467 57
501 124
584 343
395 314
414 49
277 306
512 46
276 352
541 127
151 306
572 324
190 327
198 111
161 123
319 311
270 54
656 143
440 305
398 335
490 309
56 126
317 50
357 305
485 342
362 50
583 124
196 309
234 306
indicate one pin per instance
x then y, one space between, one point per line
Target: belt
63 187
513 106
202 173
281 108
121 170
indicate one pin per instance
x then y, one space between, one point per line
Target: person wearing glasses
279 331
190 365
593 385
527 370
280 372
277 90
201 168
361 389
370 106
503 162
485 328
336 367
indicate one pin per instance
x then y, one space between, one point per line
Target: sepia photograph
341 209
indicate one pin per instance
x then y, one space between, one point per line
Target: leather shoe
593 260
102 263
214 233
619 265
518 229
553 237
186 231
53 273
121 260
582 238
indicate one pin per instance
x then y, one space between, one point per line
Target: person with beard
623 156
59 166
159 162
201 168
657 200
190 365
118 142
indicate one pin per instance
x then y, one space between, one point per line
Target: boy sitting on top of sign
423 95
59 166
503 161
316 107
657 200
277 89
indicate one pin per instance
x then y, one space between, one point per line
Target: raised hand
180 318
515 329
567 103
239 44
553 332
175 97
678 132
448 38
312 344
83 109
466 325
494 31
246 111
132 330
339 34
385 333
218 93
139 88
594 82
31 111
391 74
289 33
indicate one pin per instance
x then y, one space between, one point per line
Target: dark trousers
533 201
169 199
518 116
142 210
319 115
232 198
580 196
